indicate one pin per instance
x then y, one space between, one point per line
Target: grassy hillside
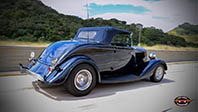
187 31
31 20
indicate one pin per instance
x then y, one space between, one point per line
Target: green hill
187 31
31 20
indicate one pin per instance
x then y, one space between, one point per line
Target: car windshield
86 35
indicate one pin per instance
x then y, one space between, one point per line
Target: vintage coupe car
95 55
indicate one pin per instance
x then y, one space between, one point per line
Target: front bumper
35 75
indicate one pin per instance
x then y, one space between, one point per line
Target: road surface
24 94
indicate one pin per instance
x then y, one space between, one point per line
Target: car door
102 55
122 51
121 56
109 57
105 59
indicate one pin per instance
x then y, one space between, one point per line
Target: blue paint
67 68
40 68
148 70
56 50
63 49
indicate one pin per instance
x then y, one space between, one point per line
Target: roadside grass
23 43
45 44
166 47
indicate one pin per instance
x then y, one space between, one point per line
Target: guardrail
11 56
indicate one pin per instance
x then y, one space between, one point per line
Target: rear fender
150 67
68 66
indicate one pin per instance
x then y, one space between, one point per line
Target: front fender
68 66
150 67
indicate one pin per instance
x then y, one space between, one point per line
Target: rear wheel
158 74
81 81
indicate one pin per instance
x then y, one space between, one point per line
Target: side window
121 40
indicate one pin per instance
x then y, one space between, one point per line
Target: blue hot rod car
95 55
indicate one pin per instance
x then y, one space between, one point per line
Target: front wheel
158 74
81 81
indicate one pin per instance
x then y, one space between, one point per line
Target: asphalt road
24 94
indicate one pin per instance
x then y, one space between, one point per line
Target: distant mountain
187 31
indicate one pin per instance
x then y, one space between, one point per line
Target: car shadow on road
101 90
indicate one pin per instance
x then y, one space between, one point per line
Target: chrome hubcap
83 79
159 73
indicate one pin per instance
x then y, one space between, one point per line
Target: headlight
152 55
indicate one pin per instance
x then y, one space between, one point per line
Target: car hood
56 50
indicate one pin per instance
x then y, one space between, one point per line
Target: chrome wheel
83 79
159 73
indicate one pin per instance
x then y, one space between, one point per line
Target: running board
120 79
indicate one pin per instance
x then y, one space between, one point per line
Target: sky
162 14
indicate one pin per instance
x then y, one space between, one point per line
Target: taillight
50 69
28 60
53 64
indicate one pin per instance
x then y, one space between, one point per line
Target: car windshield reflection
87 36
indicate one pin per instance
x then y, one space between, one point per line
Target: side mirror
32 55
152 55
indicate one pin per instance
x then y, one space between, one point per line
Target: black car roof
104 34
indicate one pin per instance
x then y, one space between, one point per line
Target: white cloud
172 12
146 20
68 7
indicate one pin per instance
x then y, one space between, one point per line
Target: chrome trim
152 55
48 74
83 79
35 75
159 73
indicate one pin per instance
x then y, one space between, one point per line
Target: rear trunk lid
54 51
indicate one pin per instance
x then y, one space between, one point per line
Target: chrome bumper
35 75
